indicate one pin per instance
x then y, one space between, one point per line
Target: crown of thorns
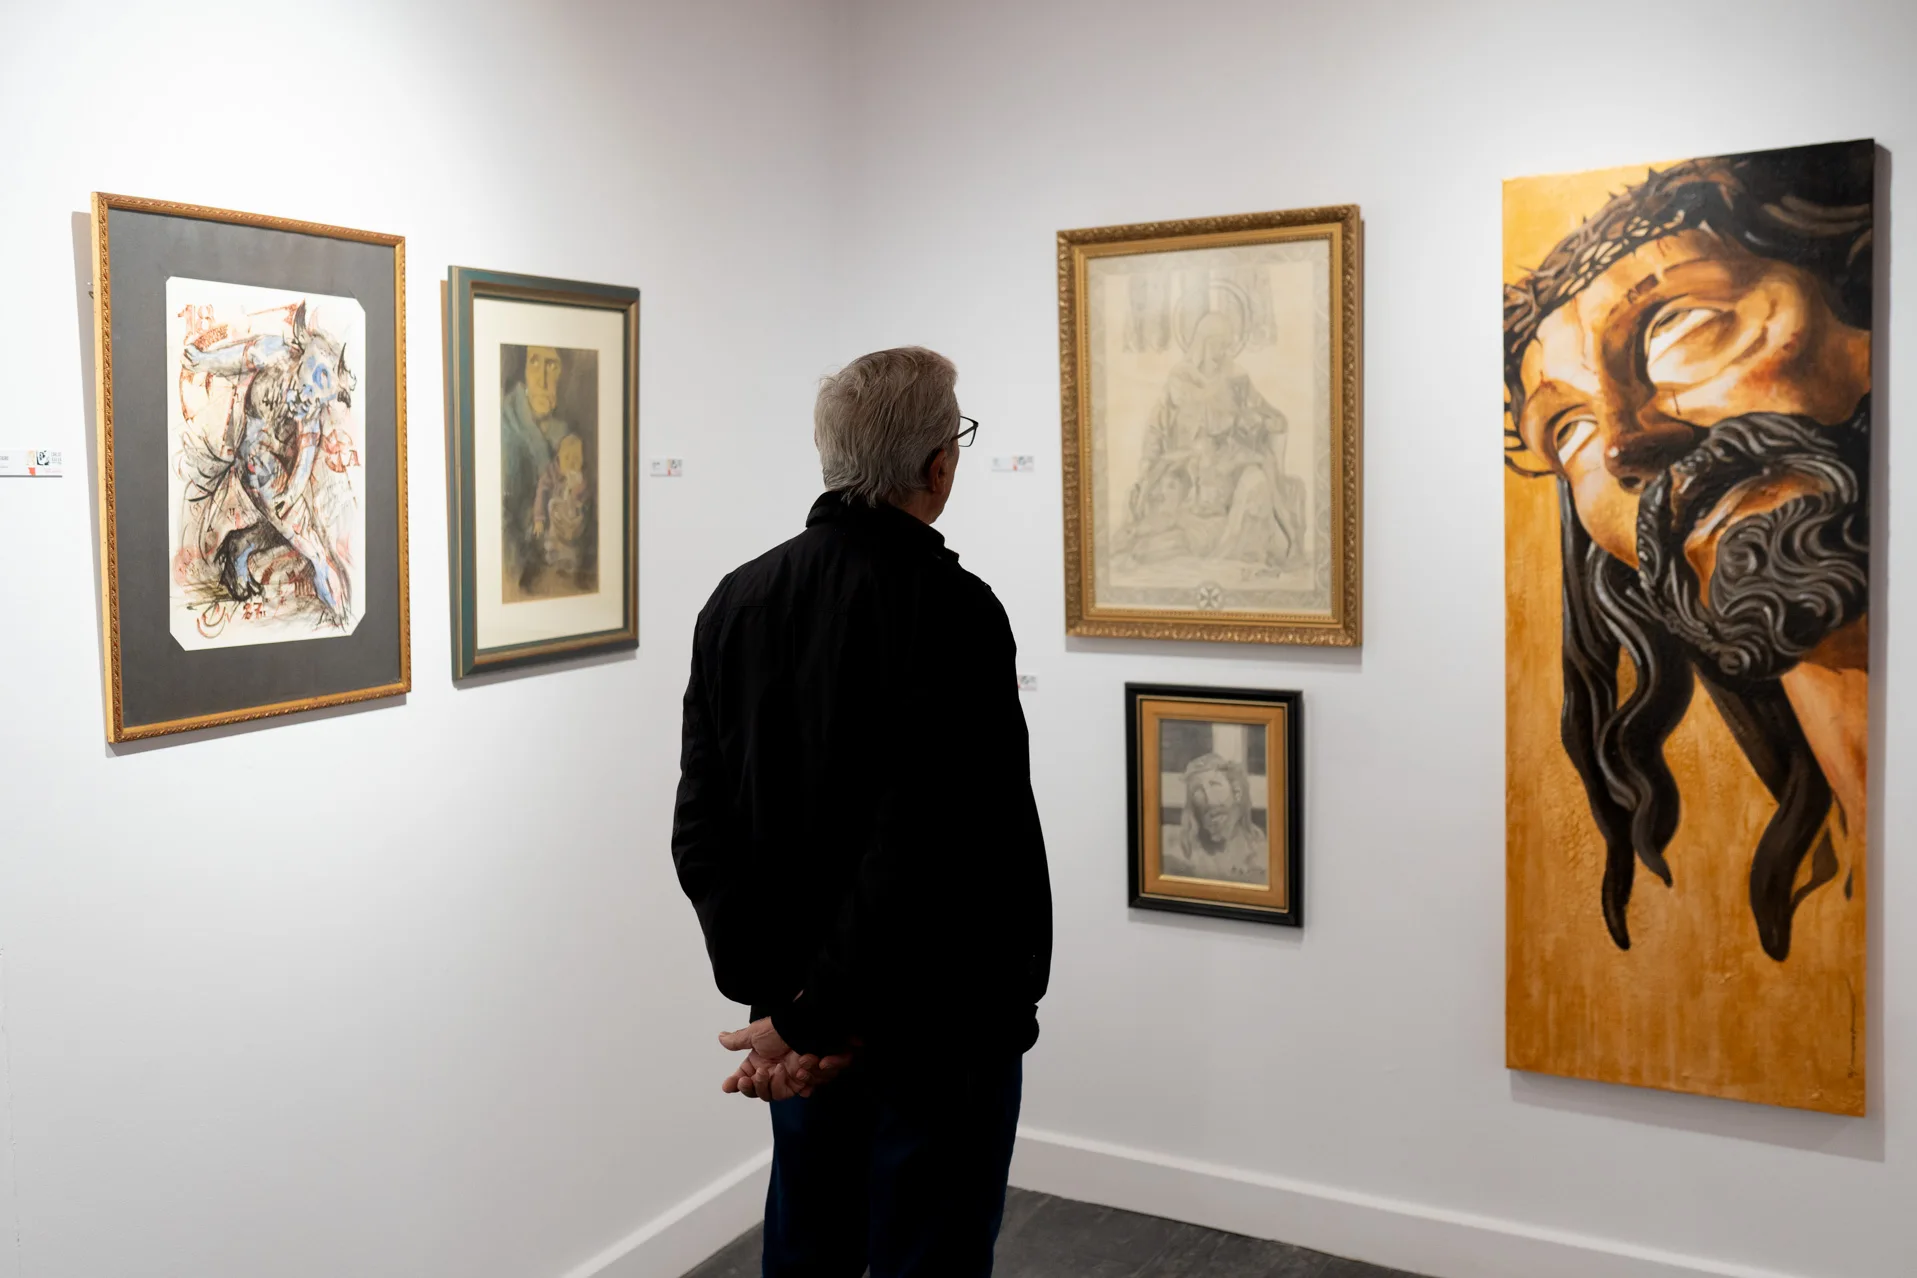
1681 198
1809 209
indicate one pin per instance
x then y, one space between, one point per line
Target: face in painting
322 378
1695 400
1212 340
1212 795
542 380
1626 377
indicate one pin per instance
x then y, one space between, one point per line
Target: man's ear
944 465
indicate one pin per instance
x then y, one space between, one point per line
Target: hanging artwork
252 464
1209 372
267 529
544 377
1216 802
1687 363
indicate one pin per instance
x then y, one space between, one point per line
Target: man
1216 838
856 829
1693 366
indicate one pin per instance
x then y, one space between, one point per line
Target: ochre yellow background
1695 1005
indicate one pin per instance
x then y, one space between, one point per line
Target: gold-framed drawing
251 383
1215 801
1209 377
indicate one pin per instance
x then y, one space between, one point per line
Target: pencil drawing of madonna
1211 431
1210 495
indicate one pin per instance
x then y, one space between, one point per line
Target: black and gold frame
543 486
1216 801
251 379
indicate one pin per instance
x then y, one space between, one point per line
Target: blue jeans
896 1167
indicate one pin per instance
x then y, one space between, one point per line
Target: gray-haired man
856 830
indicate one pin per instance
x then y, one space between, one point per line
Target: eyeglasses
967 433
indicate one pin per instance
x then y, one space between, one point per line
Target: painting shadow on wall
1845 1137
1249 931
82 228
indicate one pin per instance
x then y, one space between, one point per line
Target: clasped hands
771 1070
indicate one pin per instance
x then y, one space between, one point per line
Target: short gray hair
879 420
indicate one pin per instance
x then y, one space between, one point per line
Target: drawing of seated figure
1212 482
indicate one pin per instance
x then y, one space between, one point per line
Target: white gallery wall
1344 1086
410 990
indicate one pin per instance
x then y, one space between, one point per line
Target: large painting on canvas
1687 362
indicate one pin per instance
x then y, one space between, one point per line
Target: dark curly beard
1784 580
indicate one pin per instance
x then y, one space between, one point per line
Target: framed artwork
1687 444
1209 382
252 464
1216 801
543 491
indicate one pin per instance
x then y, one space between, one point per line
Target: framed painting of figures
1687 368
1209 376
252 464
1215 802
543 491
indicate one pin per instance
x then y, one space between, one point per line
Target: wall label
32 463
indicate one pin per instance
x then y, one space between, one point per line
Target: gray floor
1047 1237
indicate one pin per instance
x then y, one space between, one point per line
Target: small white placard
34 463
668 467
1018 464
1028 683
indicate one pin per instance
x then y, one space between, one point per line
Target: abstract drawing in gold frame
104 204
1340 227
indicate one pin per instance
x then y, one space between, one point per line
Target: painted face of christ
1693 366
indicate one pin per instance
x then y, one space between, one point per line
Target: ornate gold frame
1339 224
103 204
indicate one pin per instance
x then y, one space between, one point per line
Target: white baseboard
679 1238
1383 1231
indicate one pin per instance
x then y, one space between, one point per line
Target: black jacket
855 819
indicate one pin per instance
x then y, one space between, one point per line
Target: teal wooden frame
463 284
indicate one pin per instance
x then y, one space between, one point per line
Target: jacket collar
836 507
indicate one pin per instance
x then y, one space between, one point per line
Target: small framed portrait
1209 381
1216 818
252 425
543 487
